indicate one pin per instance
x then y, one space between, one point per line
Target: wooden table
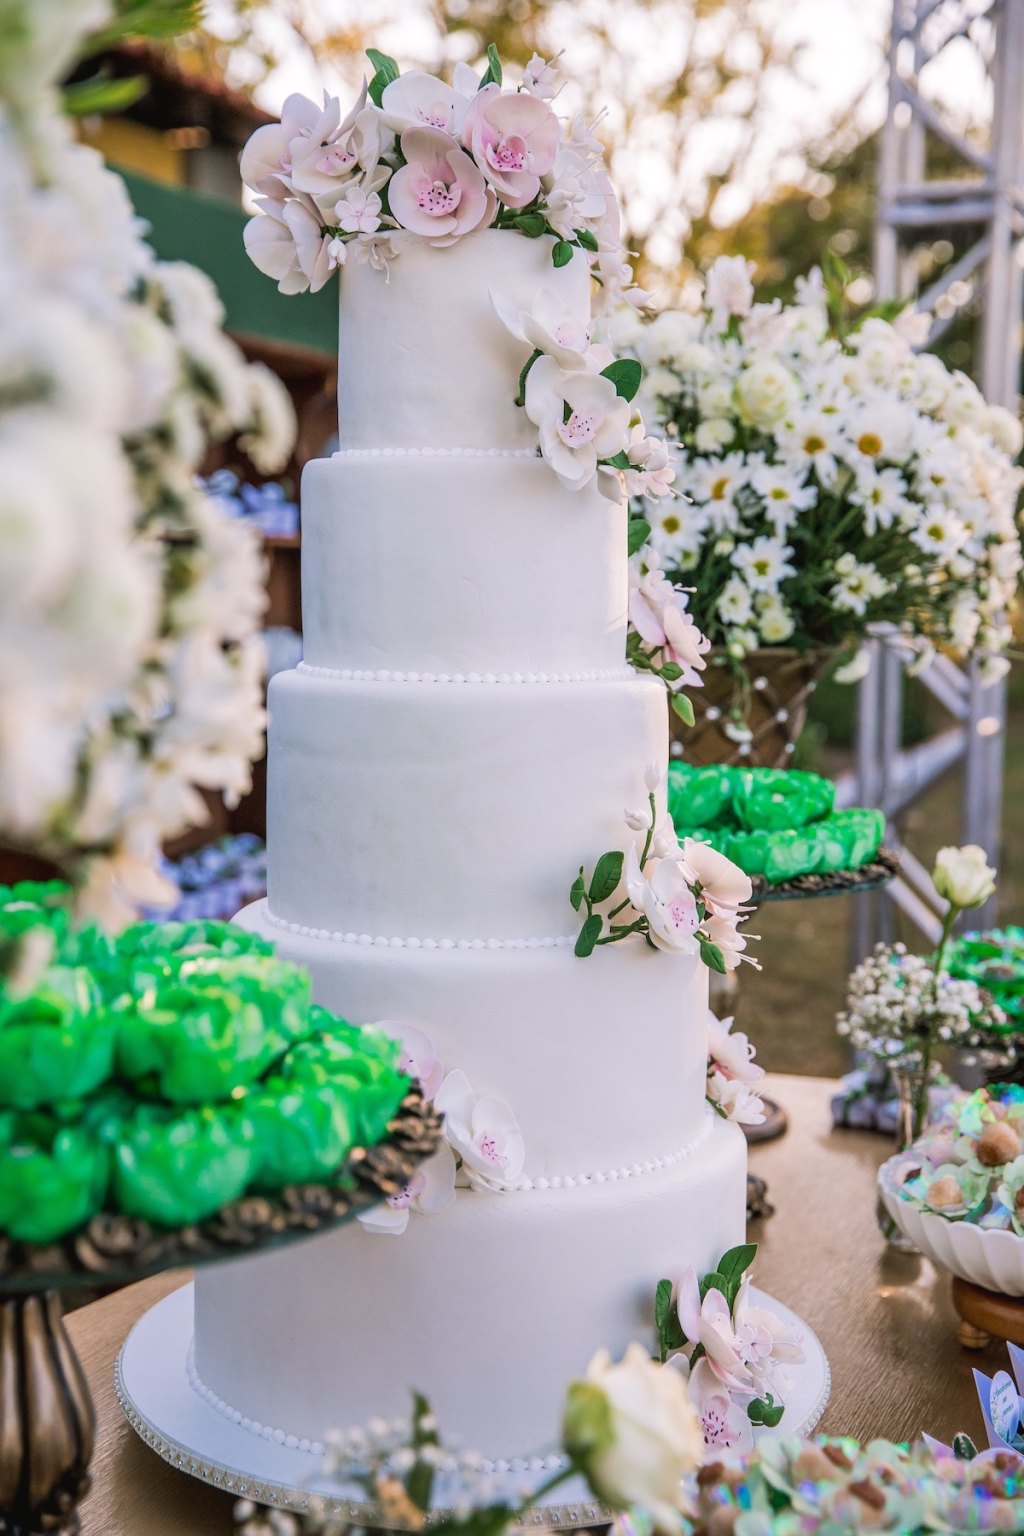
885 1319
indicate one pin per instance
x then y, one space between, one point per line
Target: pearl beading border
435 453
628 1171
382 941
386 675
517 1464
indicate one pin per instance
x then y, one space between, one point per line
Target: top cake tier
423 359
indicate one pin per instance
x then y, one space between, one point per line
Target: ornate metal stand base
985 1315
47 1423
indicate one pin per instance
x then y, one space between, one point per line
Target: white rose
634 1434
963 877
766 392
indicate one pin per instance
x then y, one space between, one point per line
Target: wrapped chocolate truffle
57 1042
302 1132
361 1064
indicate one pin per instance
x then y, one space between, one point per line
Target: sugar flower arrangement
730 1352
969 1165
684 898
130 655
483 1146
416 158
835 478
733 1074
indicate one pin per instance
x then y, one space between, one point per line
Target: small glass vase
912 1118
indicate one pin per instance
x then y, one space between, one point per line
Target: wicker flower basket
768 695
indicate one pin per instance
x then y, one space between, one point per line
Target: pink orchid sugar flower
514 139
286 242
661 893
418 1058
484 1132
430 1190
594 427
732 1051
726 888
419 100
352 148
658 613
266 162
709 1323
723 1422
439 193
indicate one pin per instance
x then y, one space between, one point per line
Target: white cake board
152 1384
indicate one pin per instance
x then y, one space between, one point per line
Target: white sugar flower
540 78
419 1059
358 212
651 470
549 327
736 1100
731 1051
483 1132
580 416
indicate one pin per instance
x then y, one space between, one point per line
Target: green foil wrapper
698 797
302 1132
779 799
53 1177
56 1043
177 1167
358 1063
995 961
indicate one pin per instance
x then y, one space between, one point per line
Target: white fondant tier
459 564
447 811
629 1023
492 1307
424 361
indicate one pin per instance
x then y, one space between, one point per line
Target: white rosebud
638 821
963 877
653 776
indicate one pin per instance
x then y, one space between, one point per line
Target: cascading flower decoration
733 1074
683 898
130 657
483 1146
834 477
731 1353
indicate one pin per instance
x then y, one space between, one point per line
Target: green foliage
666 1321
577 892
683 708
386 70
964 1448
606 876
492 74
712 957
589 935
532 224
625 373
766 1411
103 94
561 253
639 533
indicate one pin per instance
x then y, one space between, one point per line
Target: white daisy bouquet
131 663
831 476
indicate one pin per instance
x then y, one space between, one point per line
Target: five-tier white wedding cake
460 738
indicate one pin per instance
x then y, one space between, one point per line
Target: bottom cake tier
490 1307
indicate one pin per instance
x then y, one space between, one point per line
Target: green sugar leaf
386 71
733 1266
532 224
662 1304
589 935
712 957
586 239
577 891
625 373
683 708
561 253
639 533
606 876
492 74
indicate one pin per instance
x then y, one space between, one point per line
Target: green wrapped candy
150 954
176 1167
750 850
301 1131
360 1064
215 1027
698 797
793 853
53 1177
865 829
56 1043
779 799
